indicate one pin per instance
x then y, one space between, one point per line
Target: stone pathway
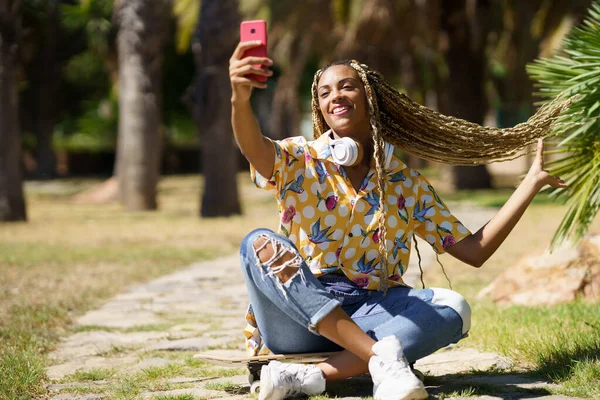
140 344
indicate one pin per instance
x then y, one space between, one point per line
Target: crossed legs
295 313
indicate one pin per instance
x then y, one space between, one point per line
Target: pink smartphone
255 30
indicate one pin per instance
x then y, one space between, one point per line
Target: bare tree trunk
141 38
286 108
216 37
464 23
12 202
48 86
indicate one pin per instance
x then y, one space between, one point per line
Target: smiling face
343 103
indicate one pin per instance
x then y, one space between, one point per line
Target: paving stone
184 379
57 387
59 371
97 342
65 396
453 361
241 380
207 316
508 382
190 328
190 344
112 319
149 363
199 392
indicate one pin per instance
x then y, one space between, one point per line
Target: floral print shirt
335 226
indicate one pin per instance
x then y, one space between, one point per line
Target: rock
544 278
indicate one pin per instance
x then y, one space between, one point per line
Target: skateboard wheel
253 377
255 387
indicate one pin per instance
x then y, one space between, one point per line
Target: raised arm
480 246
257 149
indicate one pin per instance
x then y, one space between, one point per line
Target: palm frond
575 73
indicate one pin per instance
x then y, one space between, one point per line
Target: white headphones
344 151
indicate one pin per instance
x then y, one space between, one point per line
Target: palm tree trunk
466 31
48 87
12 202
286 107
142 33
216 37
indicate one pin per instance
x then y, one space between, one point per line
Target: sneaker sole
266 386
415 394
266 390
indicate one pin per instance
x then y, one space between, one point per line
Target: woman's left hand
541 176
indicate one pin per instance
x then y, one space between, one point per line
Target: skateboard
254 364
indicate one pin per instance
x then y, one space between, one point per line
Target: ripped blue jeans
287 313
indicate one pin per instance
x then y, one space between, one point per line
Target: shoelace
292 383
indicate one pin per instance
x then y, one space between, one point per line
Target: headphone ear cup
344 151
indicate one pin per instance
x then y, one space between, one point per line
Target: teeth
339 109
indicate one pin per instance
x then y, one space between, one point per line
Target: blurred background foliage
465 58
88 74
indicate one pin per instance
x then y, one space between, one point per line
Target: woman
331 279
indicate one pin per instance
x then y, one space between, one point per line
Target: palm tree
466 31
142 34
12 202
217 36
576 72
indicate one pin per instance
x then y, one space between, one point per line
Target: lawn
70 257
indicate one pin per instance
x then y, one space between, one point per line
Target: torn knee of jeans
283 261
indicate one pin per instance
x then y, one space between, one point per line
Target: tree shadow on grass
560 364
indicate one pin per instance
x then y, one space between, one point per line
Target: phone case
255 30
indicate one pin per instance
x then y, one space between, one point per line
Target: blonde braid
379 155
319 124
428 134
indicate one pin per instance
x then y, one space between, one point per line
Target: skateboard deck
254 364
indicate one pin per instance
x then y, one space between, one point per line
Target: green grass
96 374
176 397
169 371
559 343
69 257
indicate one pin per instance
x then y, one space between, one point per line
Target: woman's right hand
240 68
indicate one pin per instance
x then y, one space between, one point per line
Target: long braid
428 134
319 124
379 155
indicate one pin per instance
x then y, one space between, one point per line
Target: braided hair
421 131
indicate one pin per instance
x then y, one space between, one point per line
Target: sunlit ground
69 258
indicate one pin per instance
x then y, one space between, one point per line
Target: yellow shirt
335 227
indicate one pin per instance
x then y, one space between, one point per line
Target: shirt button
350 234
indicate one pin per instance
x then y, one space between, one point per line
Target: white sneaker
391 373
279 380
